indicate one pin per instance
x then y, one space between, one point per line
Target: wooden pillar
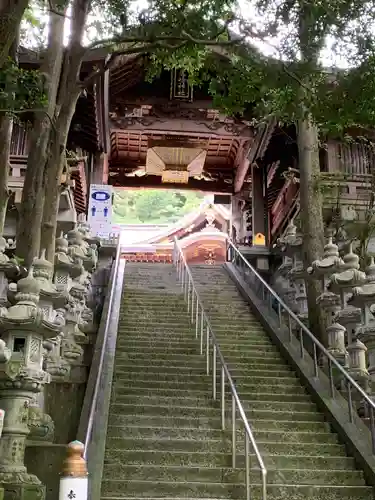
259 207
100 171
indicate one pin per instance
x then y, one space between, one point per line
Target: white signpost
100 210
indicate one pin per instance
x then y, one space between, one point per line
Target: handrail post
234 430
222 398
74 475
293 321
247 465
214 372
208 350
225 376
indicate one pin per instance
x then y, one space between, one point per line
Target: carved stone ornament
331 262
21 377
350 276
41 425
51 299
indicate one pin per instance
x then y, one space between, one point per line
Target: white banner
100 210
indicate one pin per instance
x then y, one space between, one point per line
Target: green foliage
194 35
33 26
20 89
153 206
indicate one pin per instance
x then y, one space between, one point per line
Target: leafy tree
293 86
20 90
296 88
166 31
153 206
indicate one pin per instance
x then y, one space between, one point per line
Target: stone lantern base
25 491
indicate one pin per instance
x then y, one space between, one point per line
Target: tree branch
150 43
31 110
53 10
130 51
186 37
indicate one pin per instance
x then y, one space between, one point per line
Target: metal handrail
200 318
102 352
303 330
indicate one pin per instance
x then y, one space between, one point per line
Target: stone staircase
164 438
303 456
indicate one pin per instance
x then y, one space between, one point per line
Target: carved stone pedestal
24 329
16 481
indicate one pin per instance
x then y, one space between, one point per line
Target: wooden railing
283 204
19 145
350 158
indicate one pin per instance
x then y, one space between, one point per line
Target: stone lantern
342 283
51 300
74 337
363 297
24 329
4 269
297 273
330 302
65 268
284 284
358 365
347 317
77 251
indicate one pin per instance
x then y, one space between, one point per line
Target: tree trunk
311 216
31 211
309 166
5 138
54 170
67 99
11 13
6 126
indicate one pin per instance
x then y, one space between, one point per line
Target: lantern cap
74 464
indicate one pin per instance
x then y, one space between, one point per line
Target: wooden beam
154 182
257 150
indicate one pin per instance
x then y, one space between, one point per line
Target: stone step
199 422
181 375
188 330
139 432
214 423
152 342
146 489
134 302
218 459
141 489
159 358
165 348
174 337
175 320
245 369
162 299
207 411
205 385
224 445
182 401
216 474
127 378
159 348
179 315
188 392
188 340
244 325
